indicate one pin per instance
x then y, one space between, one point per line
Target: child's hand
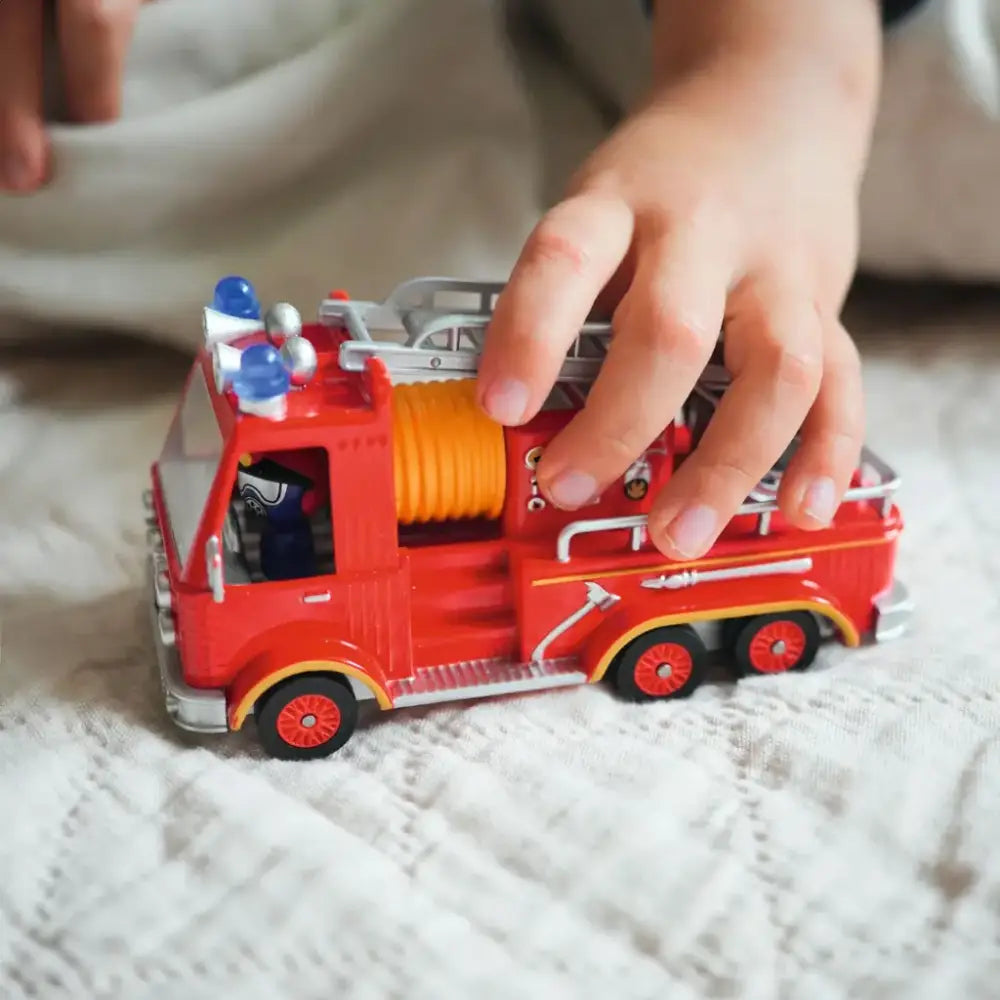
93 38
729 197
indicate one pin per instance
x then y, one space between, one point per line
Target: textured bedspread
820 836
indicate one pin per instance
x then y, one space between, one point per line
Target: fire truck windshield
188 463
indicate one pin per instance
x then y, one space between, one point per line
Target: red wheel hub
308 720
663 669
777 646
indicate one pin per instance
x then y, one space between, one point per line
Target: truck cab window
279 524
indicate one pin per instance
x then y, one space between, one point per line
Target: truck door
289 589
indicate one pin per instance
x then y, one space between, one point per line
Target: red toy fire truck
332 519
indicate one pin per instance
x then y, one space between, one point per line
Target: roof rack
432 329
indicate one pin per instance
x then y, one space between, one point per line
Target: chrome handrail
636 524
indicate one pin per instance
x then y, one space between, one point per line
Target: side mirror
213 567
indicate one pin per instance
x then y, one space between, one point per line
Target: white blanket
346 146
358 144
820 836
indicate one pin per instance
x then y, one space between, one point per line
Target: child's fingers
832 438
93 40
774 351
573 252
665 330
23 143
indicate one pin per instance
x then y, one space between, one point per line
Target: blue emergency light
235 296
262 374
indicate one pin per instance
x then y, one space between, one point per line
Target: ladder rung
423 324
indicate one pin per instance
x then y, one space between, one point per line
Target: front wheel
663 663
306 717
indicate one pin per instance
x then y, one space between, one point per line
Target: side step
483 679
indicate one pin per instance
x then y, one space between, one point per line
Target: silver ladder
432 329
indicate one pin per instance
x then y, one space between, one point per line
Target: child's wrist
752 42
809 64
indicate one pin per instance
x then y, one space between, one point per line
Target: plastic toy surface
333 520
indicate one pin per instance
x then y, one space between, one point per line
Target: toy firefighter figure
282 495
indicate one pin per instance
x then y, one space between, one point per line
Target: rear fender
618 630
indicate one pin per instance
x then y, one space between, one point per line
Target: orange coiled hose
448 456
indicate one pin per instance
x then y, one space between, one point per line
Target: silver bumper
194 709
894 612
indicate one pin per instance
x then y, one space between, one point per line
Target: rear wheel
662 663
306 717
776 643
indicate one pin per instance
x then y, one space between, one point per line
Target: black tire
731 628
325 699
797 630
637 678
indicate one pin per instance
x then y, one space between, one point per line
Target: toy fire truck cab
334 521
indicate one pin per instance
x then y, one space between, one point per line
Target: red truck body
409 604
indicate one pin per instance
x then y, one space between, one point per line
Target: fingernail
506 400
17 172
572 490
821 500
692 531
